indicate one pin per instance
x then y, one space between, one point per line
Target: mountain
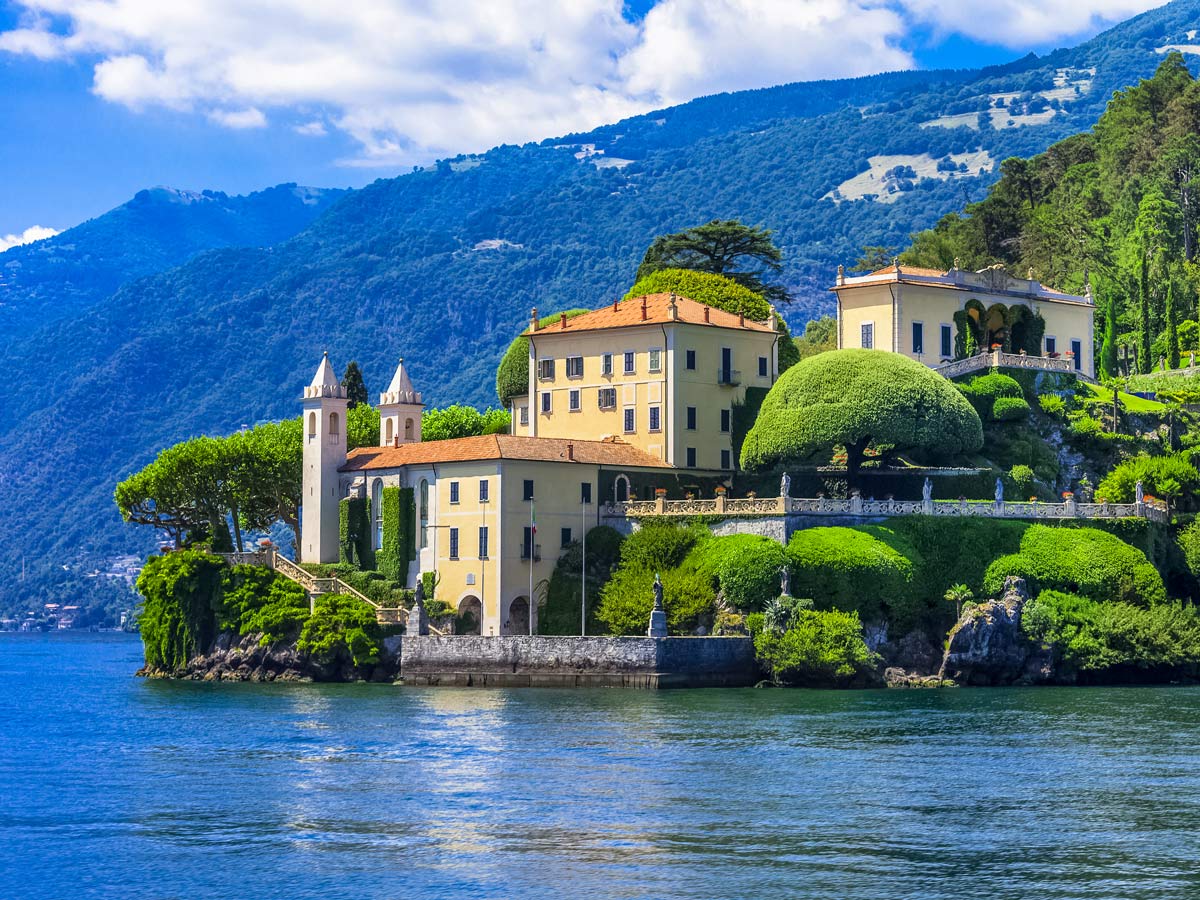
442 265
156 230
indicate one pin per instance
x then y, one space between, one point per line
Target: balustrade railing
998 359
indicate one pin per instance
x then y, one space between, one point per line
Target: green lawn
1129 402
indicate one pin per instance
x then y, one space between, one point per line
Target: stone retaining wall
565 661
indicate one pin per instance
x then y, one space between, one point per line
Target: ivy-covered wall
398 547
354 533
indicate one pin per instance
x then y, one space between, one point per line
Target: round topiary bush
746 568
1010 409
854 399
1079 560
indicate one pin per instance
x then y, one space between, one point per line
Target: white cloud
28 236
315 128
410 80
1019 23
239 118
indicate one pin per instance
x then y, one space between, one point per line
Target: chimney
533 319
643 309
672 308
841 279
706 314
771 320
616 303
562 320
571 452
741 318
396 440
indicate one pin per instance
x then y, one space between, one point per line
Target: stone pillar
856 503
418 619
1072 509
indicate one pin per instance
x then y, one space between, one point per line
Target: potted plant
721 490
660 493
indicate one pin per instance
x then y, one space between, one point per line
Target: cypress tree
1108 347
356 388
1144 362
1172 316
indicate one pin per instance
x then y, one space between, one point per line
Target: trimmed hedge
851 570
856 398
1010 409
746 568
1086 561
354 532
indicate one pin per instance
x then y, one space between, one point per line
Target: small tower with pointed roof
400 411
324 425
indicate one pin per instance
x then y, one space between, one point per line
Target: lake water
113 786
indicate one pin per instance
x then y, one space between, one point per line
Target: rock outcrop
988 647
234 657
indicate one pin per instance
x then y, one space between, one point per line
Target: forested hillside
157 229
1117 206
444 263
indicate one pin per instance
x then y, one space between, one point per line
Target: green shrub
181 594
1161 476
259 601
855 399
354 532
994 386
398 546
818 649
1052 405
1189 544
459 421
341 629
1080 560
561 612
1091 635
746 567
850 570
1010 409
1021 479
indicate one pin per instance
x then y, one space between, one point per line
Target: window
524 415
527 489
868 336
726 416
606 364
691 457
656 360
762 367
483 542
918 338
655 418
1051 345
573 400
545 368
529 550
608 398
423 499
574 366
629 420
725 459
454 492
629 362
1077 352
691 418
377 511
947 342
546 402
391 431
585 492
565 535
333 428
408 429
690 359
454 543
483 490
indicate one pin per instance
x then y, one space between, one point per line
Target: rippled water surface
112 786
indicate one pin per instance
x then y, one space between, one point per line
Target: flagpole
532 545
583 572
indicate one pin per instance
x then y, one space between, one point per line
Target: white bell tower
324 430
400 411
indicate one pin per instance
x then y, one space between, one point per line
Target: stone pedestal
418 619
658 624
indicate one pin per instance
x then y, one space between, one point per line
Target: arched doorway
621 489
517 619
470 616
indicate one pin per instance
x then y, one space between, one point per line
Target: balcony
731 377
537 553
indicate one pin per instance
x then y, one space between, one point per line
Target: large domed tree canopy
720 292
512 376
855 399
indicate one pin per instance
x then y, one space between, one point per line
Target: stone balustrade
856 506
989 359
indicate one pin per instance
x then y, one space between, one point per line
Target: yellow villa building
929 315
627 399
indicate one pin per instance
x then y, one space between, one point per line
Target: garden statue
785 582
418 619
927 489
658 615
1139 494
999 491
785 485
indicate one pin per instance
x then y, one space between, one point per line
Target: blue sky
104 97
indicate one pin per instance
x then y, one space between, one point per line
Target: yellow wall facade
865 306
670 387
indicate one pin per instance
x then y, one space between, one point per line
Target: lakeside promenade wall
575 661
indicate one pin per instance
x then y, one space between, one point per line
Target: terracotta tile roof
909 270
628 313
609 452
